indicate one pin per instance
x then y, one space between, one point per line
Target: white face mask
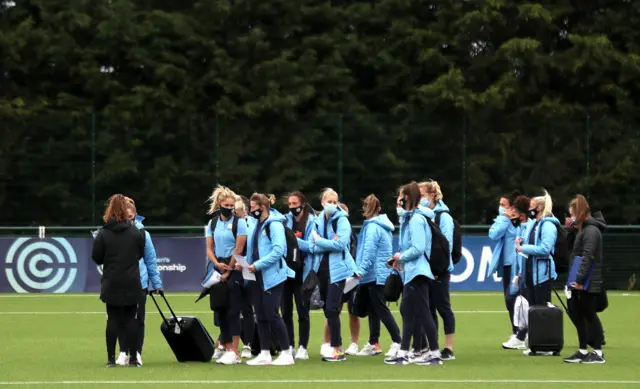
330 209
502 210
425 202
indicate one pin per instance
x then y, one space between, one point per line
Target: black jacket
119 247
588 245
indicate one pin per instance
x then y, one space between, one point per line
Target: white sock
598 352
402 353
583 352
266 353
435 353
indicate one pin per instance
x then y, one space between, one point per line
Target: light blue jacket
341 263
303 243
272 250
504 234
375 248
415 241
446 227
148 263
540 250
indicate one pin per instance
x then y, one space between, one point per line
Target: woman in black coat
118 247
583 301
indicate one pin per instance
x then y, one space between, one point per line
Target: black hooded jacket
119 247
588 245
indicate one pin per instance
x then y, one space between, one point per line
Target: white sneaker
219 353
229 358
261 360
246 352
326 351
139 358
393 350
539 353
302 353
514 344
352 350
370 349
284 359
123 359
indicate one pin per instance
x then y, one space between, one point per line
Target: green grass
64 346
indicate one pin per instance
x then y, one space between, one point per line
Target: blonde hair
240 205
328 192
432 188
371 206
263 200
219 194
546 202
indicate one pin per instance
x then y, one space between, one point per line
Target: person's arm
151 262
590 242
545 244
368 256
499 227
97 252
340 244
278 244
417 226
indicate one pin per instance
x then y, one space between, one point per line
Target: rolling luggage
546 331
186 335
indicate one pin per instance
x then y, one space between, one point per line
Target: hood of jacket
597 219
382 220
441 207
426 212
113 226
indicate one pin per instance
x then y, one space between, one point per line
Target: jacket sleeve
417 227
303 245
590 242
499 227
447 228
340 244
545 244
151 262
278 244
97 253
370 240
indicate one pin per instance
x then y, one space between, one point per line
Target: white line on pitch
178 312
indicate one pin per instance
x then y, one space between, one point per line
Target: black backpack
456 253
353 244
292 257
393 287
439 259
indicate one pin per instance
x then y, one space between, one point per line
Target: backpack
292 257
456 253
439 259
353 244
393 287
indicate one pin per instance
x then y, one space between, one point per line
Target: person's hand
158 291
238 267
222 266
315 236
395 265
577 286
225 276
396 257
519 240
336 237
252 268
359 276
568 222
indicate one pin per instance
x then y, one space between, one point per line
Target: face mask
425 202
400 212
256 214
403 203
330 209
296 211
533 213
226 212
573 220
502 210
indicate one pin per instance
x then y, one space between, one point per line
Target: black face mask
403 203
515 222
226 212
256 214
533 213
296 211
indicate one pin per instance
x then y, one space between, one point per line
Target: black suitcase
186 335
546 331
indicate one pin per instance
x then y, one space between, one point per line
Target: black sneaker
447 355
111 364
134 363
578 357
593 358
397 360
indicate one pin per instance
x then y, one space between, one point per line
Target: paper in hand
350 283
246 274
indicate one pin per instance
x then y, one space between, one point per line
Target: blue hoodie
271 263
341 263
446 227
148 263
415 241
375 248
303 243
504 253
540 250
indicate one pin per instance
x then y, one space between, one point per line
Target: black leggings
122 319
140 316
582 307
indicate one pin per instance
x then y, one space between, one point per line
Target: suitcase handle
168 306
